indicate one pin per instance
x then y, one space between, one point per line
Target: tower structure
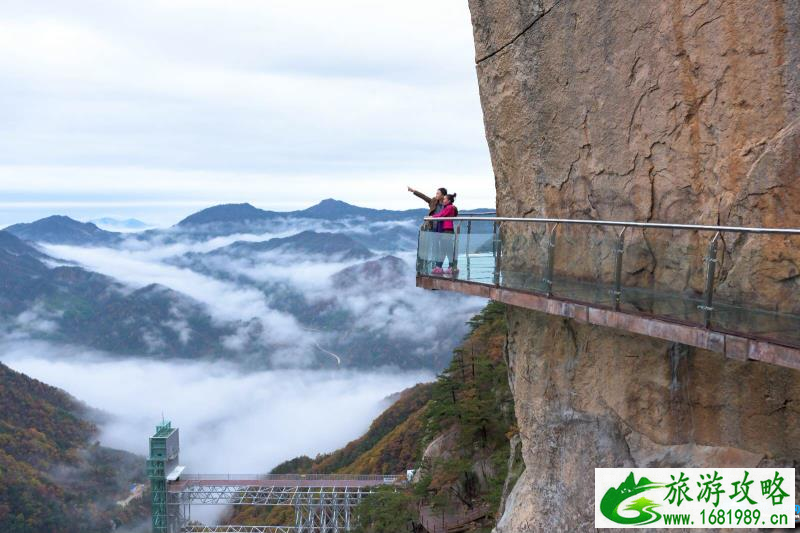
161 463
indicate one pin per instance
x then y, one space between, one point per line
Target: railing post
469 232
618 250
454 257
708 293
420 269
496 275
499 253
551 257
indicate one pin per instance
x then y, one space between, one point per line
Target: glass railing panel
663 273
782 328
666 305
584 264
759 271
757 287
467 254
431 251
523 256
477 247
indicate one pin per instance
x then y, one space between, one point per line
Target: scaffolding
322 503
326 507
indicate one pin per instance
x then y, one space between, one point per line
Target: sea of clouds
235 418
236 290
231 420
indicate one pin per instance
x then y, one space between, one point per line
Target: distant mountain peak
331 206
119 223
329 202
333 202
241 206
61 219
226 213
61 229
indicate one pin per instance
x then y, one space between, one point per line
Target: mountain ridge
327 209
55 478
226 219
69 303
61 229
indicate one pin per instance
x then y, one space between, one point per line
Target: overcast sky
155 108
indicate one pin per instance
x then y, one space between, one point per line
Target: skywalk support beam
731 345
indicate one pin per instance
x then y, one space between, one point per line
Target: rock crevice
536 19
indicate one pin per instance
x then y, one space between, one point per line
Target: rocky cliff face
670 111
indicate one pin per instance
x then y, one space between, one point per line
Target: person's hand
410 189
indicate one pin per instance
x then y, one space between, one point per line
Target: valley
309 319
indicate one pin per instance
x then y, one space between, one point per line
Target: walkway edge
732 346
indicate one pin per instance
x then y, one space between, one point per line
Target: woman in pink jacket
447 239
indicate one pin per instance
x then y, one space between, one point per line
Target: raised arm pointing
419 195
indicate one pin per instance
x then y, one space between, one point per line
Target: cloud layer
231 421
279 300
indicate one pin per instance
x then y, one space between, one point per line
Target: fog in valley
231 421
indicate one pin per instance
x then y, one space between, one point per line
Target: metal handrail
618 223
482 215
291 477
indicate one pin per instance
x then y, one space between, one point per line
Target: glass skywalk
733 280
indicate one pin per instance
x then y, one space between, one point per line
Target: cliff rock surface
669 111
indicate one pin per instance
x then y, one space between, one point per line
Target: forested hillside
52 478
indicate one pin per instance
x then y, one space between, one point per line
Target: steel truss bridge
322 503
246 529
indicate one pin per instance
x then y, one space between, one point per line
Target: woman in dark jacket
434 204
430 245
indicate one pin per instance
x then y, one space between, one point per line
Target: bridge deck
733 345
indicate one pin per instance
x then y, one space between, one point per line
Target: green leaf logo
628 489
